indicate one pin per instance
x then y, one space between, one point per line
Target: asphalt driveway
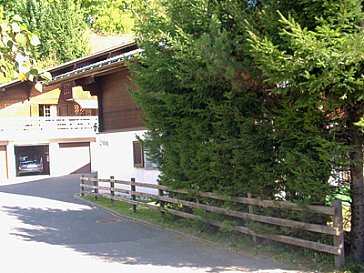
44 228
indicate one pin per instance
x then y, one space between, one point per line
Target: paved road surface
44 229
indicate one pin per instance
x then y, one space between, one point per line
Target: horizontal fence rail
118 190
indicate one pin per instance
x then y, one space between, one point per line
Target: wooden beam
86 80
50 87
94 88
30 87
66 90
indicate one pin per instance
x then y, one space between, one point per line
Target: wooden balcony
29 128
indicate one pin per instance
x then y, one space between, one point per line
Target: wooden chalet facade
41 132
114 150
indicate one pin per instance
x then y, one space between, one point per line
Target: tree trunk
357 189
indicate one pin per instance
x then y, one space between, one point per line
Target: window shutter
34 110
138 155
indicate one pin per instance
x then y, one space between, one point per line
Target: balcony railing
48 127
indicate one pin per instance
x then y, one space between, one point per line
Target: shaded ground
43 228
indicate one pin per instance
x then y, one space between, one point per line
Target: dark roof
98 60
97 66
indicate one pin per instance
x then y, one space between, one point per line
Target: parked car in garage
27 166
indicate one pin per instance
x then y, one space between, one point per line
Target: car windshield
26 162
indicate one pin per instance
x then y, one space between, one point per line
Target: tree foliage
15 45
113 16
109 17
59 24
318 66
201 102
241 98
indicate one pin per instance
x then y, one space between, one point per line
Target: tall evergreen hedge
256 96
206 107
214 122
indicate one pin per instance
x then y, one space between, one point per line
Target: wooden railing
111 189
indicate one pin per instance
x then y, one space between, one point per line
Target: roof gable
98 60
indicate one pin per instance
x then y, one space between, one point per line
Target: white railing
48 127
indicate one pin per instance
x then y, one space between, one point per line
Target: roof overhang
96 69
86 66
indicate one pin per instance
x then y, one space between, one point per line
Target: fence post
96 184
339 238
82 188
112 192
161 203
251 210
133 197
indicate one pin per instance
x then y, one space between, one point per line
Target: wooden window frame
138 154
44 110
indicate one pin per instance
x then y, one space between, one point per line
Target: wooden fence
166 195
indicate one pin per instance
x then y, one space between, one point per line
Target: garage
3 164
76 157
32 160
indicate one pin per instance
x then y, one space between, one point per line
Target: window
44 110
138 154
141 157
149 163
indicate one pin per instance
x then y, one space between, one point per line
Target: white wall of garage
112 155
67 158
3 164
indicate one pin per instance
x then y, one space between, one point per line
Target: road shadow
56 218
62 188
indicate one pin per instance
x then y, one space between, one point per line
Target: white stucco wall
10 156
112 155
63 160
66 160
3 164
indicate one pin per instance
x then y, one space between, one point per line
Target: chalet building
111 136
49 132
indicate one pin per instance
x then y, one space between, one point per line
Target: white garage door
75 157
3 164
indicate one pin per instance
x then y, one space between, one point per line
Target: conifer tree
61 28
204 104
241 98
59 24
316 61
209 107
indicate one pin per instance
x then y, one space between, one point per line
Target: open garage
32 160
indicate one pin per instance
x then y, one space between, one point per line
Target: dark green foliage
59 24
207 122
317 61
256 96
214 124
